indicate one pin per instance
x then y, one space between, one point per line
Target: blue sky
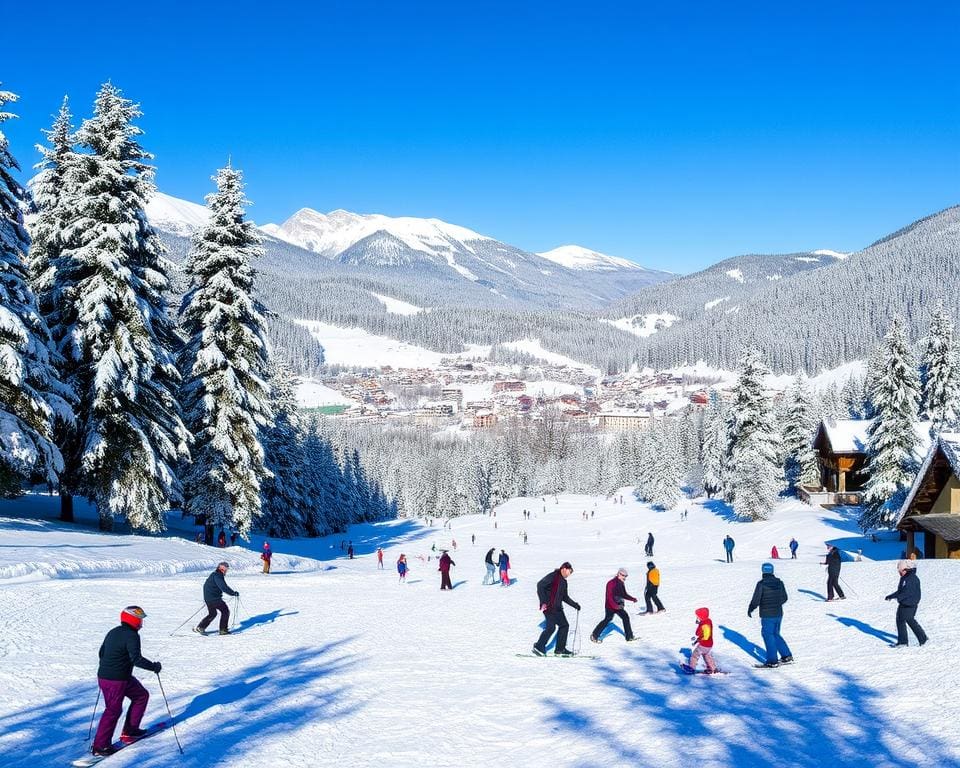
672 134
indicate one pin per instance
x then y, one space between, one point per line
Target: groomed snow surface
336 664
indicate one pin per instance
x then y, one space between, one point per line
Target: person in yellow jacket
650 592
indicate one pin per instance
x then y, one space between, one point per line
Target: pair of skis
89 760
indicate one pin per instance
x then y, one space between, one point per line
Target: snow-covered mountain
176 216
578 257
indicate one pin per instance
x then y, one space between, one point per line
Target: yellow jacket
653 577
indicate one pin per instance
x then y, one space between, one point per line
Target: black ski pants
445 582
212 609
906 618
650 596
729 555
833 585
555 621
608 617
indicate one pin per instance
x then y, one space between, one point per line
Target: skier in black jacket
119 654
648 549
491 567
832 562
213 589
769 596
552 593
908 597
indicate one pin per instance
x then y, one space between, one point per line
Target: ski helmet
133 615
766 568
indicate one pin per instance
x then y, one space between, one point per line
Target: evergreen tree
120 344
32 398
892 443
799 427
284 503
940 375
714 445
662 485
225 389
753 476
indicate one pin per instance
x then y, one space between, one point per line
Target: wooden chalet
930 515
841 447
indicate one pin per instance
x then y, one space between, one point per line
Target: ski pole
576 635
191 616
92 716
849 587
173 726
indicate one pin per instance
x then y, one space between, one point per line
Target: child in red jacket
703 642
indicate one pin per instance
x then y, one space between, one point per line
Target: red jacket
616 594
704 628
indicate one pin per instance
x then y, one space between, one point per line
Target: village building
841 447
624 421
930 515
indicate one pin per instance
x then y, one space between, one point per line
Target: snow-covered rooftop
949 443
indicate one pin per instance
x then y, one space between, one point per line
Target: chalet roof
945 525
847 435
949 443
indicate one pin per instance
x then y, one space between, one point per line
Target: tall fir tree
32 398
225 393
940 375
662 483
891 447
714 445
121 343
753 476
799 426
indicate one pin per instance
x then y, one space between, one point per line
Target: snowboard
688 670
551 656
85 762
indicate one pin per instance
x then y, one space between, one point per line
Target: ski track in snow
341 665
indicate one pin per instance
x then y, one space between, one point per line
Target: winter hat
702 613
133 615
766 568
622 572
567 566
907 565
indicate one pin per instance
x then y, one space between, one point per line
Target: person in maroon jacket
445 562
616 594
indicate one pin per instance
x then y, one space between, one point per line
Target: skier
703 642
473 539
728 545
402 568
266 555
119 654
793 549
774 554
491 567
380 558
832 562
503 565
613 606
350 551
653 586
213 589
908 597
552 593
445 562
769 596
648 550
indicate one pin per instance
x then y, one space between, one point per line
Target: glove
888 598
543 608
749 614
693 639
236 594
157 666
576 606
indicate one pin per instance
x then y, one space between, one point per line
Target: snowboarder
213 589
728 545
379 558
552 593
613 606
503 565
703 642
445 562
402 568
832 561
653 586
266 555
769 596
119 654
793 549
648 550
774 554
491 567
908 597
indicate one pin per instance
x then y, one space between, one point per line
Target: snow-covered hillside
578 257
344 666
171 214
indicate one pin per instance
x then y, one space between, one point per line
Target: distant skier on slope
503 564
491 566
445 562
119 654
552 593
833 561
728 545
616 593
380 558
266 556
648 549
769 596
402 568
213 589
652 587
794 545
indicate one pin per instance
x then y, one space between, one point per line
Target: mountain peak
578 257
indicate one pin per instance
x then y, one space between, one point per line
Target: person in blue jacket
769 596
213 589
728 545
908 597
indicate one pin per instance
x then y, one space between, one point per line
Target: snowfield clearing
336 664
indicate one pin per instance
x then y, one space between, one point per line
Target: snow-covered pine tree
225 393
854 397
940 375
753 475
32 398
120 348
691 439
284 506
714 445
831 405
662 482
891 457
799 426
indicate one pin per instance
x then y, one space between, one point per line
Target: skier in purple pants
119 654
